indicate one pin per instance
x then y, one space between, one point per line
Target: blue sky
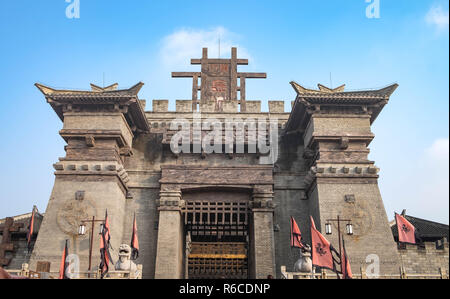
305 41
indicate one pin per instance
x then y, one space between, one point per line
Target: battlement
233 106
440 246
426 257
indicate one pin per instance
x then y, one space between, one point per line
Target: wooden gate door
219 230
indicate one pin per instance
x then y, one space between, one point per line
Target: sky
361 43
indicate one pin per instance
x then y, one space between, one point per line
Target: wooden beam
252 75
242 93
186 74
233 69
219 60
195 89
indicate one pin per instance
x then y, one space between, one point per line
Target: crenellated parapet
426 257
231 106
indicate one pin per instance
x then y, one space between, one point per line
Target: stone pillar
262 243
169 254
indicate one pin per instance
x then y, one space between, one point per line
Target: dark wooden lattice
219 233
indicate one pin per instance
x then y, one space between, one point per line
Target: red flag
296 236
406 231
134 241
321 249
345 264
104 247
30 229
63 266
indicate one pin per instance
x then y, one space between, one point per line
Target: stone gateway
222 213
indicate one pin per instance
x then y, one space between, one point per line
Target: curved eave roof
307 97
56 94
356 96
56 97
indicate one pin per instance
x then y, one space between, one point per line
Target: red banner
63 265
30 229
104 247
134 241
321 249
406 231
345 263
296 236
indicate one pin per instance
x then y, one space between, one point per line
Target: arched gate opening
217 234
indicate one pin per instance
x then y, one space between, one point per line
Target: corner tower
335 127
99 127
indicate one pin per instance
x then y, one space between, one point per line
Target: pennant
134 241
321 249
104 247
296 236
64 264
30 229
406 231
346 269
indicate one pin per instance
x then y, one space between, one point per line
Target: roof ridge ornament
322 88
111 87
45 89
300 89
327 89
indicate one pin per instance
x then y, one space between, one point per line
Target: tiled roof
96 93
98 96
372 101
25 218
338 94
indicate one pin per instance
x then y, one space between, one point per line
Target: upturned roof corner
369 101
61 99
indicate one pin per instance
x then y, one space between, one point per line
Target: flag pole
340 244
398 243
132 233
90 246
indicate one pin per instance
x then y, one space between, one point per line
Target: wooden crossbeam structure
6 246
218 230
219 79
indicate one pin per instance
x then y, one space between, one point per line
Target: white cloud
179 47
439 151
438 16
421 186
432 185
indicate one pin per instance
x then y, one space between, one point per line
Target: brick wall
425 259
